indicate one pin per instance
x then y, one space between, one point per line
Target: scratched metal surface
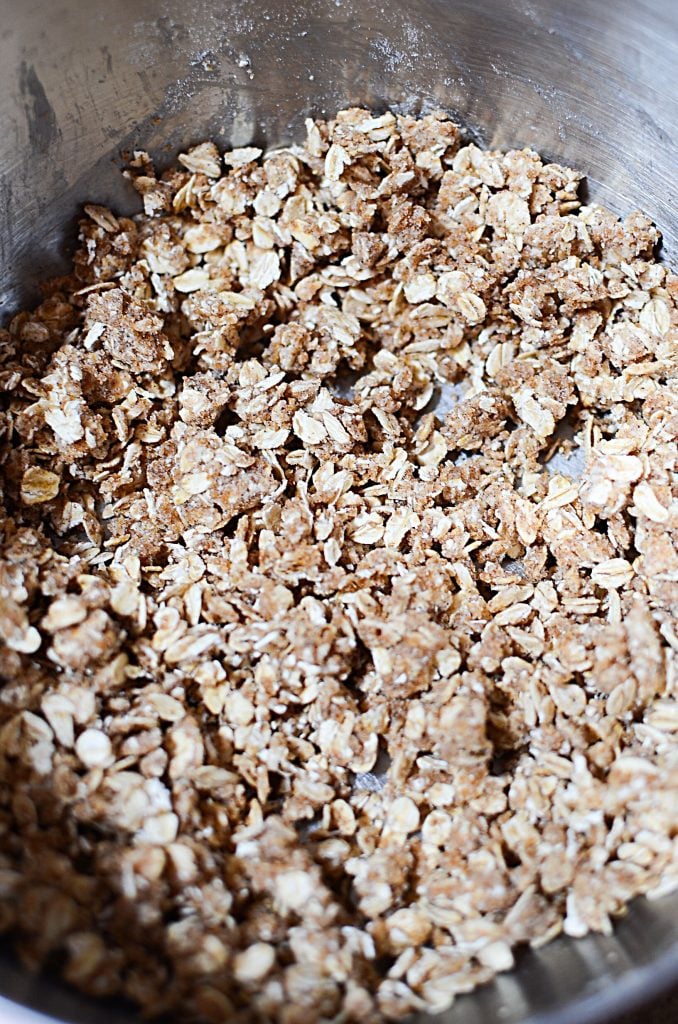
584 80
589 82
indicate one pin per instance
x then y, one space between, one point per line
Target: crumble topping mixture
338 579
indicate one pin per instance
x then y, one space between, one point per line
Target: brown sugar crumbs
338 579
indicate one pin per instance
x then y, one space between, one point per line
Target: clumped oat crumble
350 458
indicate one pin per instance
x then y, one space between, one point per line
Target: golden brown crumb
338 579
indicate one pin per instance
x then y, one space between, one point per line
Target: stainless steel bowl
588 82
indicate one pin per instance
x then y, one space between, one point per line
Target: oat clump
338 579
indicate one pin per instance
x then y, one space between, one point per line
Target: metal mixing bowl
589 82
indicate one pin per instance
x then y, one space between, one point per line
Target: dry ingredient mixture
354 457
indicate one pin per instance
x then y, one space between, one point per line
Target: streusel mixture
338 579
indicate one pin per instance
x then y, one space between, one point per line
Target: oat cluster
338 579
